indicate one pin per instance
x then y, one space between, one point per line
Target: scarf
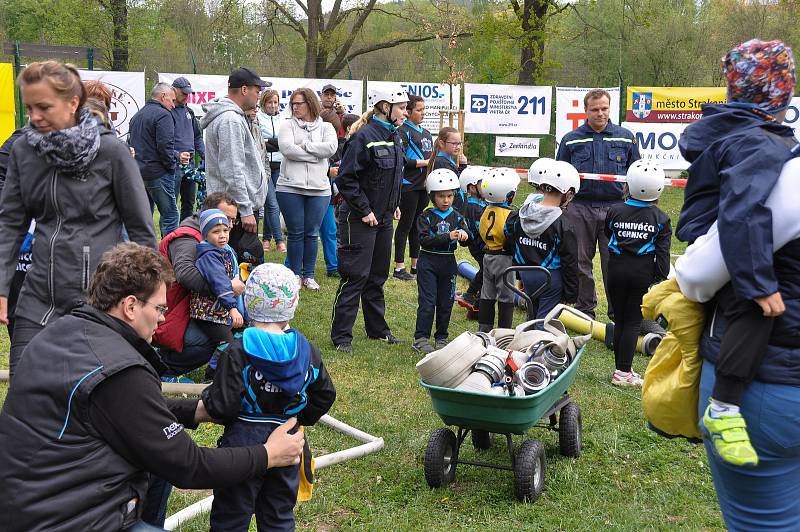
70 150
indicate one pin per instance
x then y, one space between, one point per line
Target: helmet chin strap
391 120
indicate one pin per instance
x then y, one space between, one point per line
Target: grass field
626 479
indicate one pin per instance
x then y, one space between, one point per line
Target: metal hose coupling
492 364
533 377
554 362
488 340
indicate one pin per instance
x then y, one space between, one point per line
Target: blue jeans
154 512
548 299
197 350
161 193
327 233
764 497
272 212
303 216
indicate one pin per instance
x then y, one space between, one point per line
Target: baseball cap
329 87
183 84
243 76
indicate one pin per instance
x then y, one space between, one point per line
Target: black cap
183 85
243 76
329 87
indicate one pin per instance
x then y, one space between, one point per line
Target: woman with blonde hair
270 119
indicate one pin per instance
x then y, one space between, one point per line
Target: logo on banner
479 103
123 106
642 104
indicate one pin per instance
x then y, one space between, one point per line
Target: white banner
570 112
436 95
514 109
516 147
127 95
658 143
207 87
793 116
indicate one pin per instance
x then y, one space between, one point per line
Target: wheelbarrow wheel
529 471
570 429
482 440
439 455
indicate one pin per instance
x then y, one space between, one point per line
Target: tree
533 16
118 9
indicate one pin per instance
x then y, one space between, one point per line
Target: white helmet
395 95
441 179
538 168
499 185
471 175
562 176
645 181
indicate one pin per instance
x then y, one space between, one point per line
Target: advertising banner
570 112
507 109
207 87
658 143
127 95
437 97
793 116
7 124
516 147
670 104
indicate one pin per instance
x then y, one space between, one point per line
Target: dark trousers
436 286
186 187
197 351
364 254
476 283
412 203
588 219
13 296
629 277
217 333
24 331
743 346
154 511
548 299
248 246
270 497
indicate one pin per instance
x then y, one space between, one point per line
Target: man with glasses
233 161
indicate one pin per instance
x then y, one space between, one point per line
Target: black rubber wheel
529 471
570 430
439 470
482 440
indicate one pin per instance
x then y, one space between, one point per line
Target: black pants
412 203
476 283
436 286
270 496
248 246
364 255
13 296
629 277
24 331
217 333
744 343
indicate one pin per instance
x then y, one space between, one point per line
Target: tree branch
291 21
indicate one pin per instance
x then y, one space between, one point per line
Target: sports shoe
389 338
422 345
403 275
441 343
345 348
310 283
178 380
622 378
333 273
731 443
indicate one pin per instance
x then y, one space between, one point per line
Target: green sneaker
730 440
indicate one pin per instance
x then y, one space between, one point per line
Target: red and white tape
616 178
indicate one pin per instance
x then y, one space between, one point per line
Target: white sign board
516 147
207 87
437 97
570 112
507 109
127 95
658 143
793 116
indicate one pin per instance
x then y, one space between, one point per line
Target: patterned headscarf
761 73
271 293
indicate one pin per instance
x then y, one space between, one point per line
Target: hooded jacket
233 161
736 157
306 147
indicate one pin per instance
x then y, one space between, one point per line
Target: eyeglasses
297 104
459 143
162 309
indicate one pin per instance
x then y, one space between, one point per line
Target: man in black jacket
77 444
188 139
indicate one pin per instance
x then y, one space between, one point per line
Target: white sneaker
622 378
310 283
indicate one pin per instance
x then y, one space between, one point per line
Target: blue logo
479 103
642 104
443 227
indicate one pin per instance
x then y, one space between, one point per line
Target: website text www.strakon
676 116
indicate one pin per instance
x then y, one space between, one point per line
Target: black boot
486 315
505 313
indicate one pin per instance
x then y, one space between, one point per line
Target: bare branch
290 21
302 6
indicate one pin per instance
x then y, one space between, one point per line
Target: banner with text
207 87
793 116
670 104
570 112
658 143
516 147
437 97
7 115
504 109
127 95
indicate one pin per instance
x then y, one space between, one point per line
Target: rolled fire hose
604 332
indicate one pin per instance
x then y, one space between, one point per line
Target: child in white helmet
441 228
639 236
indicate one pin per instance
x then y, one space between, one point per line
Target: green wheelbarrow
485 415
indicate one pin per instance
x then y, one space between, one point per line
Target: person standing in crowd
233 162
152 136
418 144
270 119
448 155
188 139
25 256
80 184
598 146
96 89
370 178
303 189
332 112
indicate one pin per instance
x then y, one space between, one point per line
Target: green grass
626 479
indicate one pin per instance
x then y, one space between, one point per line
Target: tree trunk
119 19
532 54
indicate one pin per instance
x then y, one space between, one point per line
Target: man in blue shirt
598 146
188 140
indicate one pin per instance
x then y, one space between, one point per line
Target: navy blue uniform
436 270
418 144
473 210
443 160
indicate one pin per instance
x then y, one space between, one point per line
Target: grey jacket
233 161
306 147
76 222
